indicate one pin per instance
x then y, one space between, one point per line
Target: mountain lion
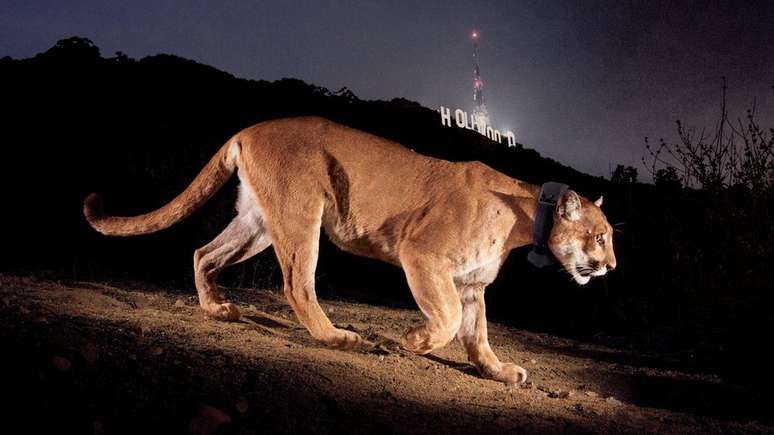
449 226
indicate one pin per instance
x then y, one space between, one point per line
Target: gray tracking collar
550 193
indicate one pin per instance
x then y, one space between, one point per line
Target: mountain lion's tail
210 179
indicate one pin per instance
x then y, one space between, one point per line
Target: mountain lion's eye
601 239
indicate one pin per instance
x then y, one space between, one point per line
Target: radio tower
479 108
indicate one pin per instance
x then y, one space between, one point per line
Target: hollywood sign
470 122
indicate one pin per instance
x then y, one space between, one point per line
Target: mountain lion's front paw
416 340
509 373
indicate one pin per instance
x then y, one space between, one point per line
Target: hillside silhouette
692 286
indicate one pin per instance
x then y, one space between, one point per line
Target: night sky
580 81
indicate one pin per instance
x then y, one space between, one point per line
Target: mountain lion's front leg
473 337
433 288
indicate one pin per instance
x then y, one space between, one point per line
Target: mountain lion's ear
569 206
598 202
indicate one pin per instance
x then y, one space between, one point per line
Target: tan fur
448 225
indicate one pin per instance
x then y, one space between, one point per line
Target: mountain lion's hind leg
298 236
243 238
473 337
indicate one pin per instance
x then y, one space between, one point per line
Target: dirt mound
93 358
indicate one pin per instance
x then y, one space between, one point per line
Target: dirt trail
92 358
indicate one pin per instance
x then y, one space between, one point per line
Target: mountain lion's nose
610 266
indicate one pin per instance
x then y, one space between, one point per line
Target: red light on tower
474 34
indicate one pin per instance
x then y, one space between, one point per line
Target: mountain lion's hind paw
227 312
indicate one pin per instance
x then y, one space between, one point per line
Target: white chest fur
483 274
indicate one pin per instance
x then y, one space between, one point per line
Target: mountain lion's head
582 239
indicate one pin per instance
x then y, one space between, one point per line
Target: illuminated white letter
461 118
481 128
478 124
489 132
498 137
445 116
511 138
469 121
